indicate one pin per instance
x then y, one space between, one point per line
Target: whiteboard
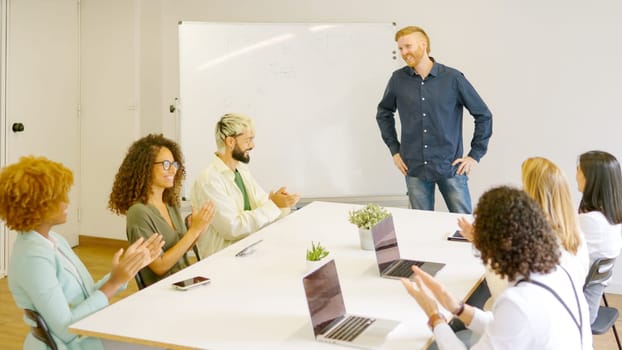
312 90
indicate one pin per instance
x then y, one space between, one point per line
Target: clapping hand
202 217
154 245
139 254
425 301
423 298
283 199
127 263
466 227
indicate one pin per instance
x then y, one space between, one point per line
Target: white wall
549 71
110 106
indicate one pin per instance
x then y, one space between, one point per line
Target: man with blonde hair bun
242 206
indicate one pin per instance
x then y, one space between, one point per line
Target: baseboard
99 241
397 201
614 288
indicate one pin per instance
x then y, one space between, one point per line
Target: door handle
17 127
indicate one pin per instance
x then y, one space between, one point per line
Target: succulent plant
317 252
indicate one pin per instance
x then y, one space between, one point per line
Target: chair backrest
600 271
195 249
41 331
139 281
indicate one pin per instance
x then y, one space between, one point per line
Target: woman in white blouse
542 308
599 178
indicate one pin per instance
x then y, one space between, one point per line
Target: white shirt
578 265
603 239
527 316
231 222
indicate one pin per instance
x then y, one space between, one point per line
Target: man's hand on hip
399 163
466 165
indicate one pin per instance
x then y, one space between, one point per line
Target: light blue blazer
40 280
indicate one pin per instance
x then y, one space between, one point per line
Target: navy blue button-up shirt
430 112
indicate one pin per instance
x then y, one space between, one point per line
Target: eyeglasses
166 164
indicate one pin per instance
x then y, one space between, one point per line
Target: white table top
258 301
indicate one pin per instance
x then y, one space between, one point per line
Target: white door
42 91
3 234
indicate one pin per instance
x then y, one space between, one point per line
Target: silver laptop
390 265
328 313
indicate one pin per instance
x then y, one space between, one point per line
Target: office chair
195 249
41 331
477 299
600 271
139 281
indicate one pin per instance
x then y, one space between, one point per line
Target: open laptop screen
385 243
324 296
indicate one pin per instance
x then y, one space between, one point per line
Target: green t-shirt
240 183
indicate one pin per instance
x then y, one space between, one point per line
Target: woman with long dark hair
599 178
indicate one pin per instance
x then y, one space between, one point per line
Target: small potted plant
315 254
366 218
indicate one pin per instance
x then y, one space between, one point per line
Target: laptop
387 250
329 319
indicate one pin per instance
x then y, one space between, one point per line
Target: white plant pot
367 242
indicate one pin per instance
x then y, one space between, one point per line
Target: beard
417 56
239 155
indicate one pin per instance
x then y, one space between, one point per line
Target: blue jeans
593 293
455 191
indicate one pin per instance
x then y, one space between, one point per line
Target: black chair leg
615 332
613 327
195 249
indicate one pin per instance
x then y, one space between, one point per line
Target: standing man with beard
430 98
242 206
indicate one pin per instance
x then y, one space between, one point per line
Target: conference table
257 301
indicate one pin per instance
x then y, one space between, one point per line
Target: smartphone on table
191 282
457 236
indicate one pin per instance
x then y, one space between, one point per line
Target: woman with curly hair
599 178
146 189
542 308
45 275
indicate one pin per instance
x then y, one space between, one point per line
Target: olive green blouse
145 219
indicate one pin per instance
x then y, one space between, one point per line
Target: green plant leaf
317 252
368 216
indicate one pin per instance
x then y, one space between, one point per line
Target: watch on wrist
460 309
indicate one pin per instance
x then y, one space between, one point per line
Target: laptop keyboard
350 328
403 268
